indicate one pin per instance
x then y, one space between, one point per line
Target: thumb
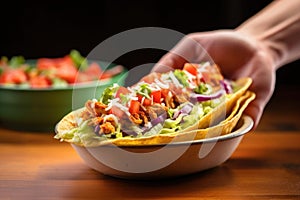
188 49
255 111
168 62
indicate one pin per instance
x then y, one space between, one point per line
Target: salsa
53 72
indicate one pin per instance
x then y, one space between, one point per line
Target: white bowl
163 161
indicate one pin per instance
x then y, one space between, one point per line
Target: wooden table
35 166
266 165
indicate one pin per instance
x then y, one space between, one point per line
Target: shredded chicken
169 101
112 119
144 117
135 118
179 99
100 108
96 108
107 128
96 121
156 110
139 118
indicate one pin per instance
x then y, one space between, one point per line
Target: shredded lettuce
182 77
196 113
171 112
80 61
58 82
173 123
84 135
108 93
16 61
155 130
201 88
144 90
79 135
168 130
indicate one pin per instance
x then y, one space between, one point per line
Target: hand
237 56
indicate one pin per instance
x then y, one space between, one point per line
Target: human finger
187 50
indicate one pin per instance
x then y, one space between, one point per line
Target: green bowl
39 110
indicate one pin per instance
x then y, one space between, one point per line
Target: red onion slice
226 85
161 118
206 97
186 109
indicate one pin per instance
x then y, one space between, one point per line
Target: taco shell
221 120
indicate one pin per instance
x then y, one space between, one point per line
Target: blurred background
52 28
47 28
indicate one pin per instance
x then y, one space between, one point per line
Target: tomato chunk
164 93
191 68
15 76
156 95
134 106
45 63
144 100
94 71
39 82
121 90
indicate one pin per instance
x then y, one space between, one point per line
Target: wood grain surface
266 165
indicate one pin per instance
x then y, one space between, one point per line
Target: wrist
270 50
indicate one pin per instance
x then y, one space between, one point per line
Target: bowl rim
247 124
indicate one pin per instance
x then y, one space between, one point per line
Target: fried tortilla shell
222 128
220 112
212 124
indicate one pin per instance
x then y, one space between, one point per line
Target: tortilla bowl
170 155
219 121
164 161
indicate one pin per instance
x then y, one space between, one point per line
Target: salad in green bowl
36 94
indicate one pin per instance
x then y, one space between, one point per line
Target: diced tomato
105 75
65 68
94 71
64 61
164 93
191 68
156 95
112 72
45 63
67 72
144 100
49 63
134 106
15 76
121 90
147 102
39 82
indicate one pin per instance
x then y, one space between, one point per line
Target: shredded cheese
111 102
161 85
110 116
